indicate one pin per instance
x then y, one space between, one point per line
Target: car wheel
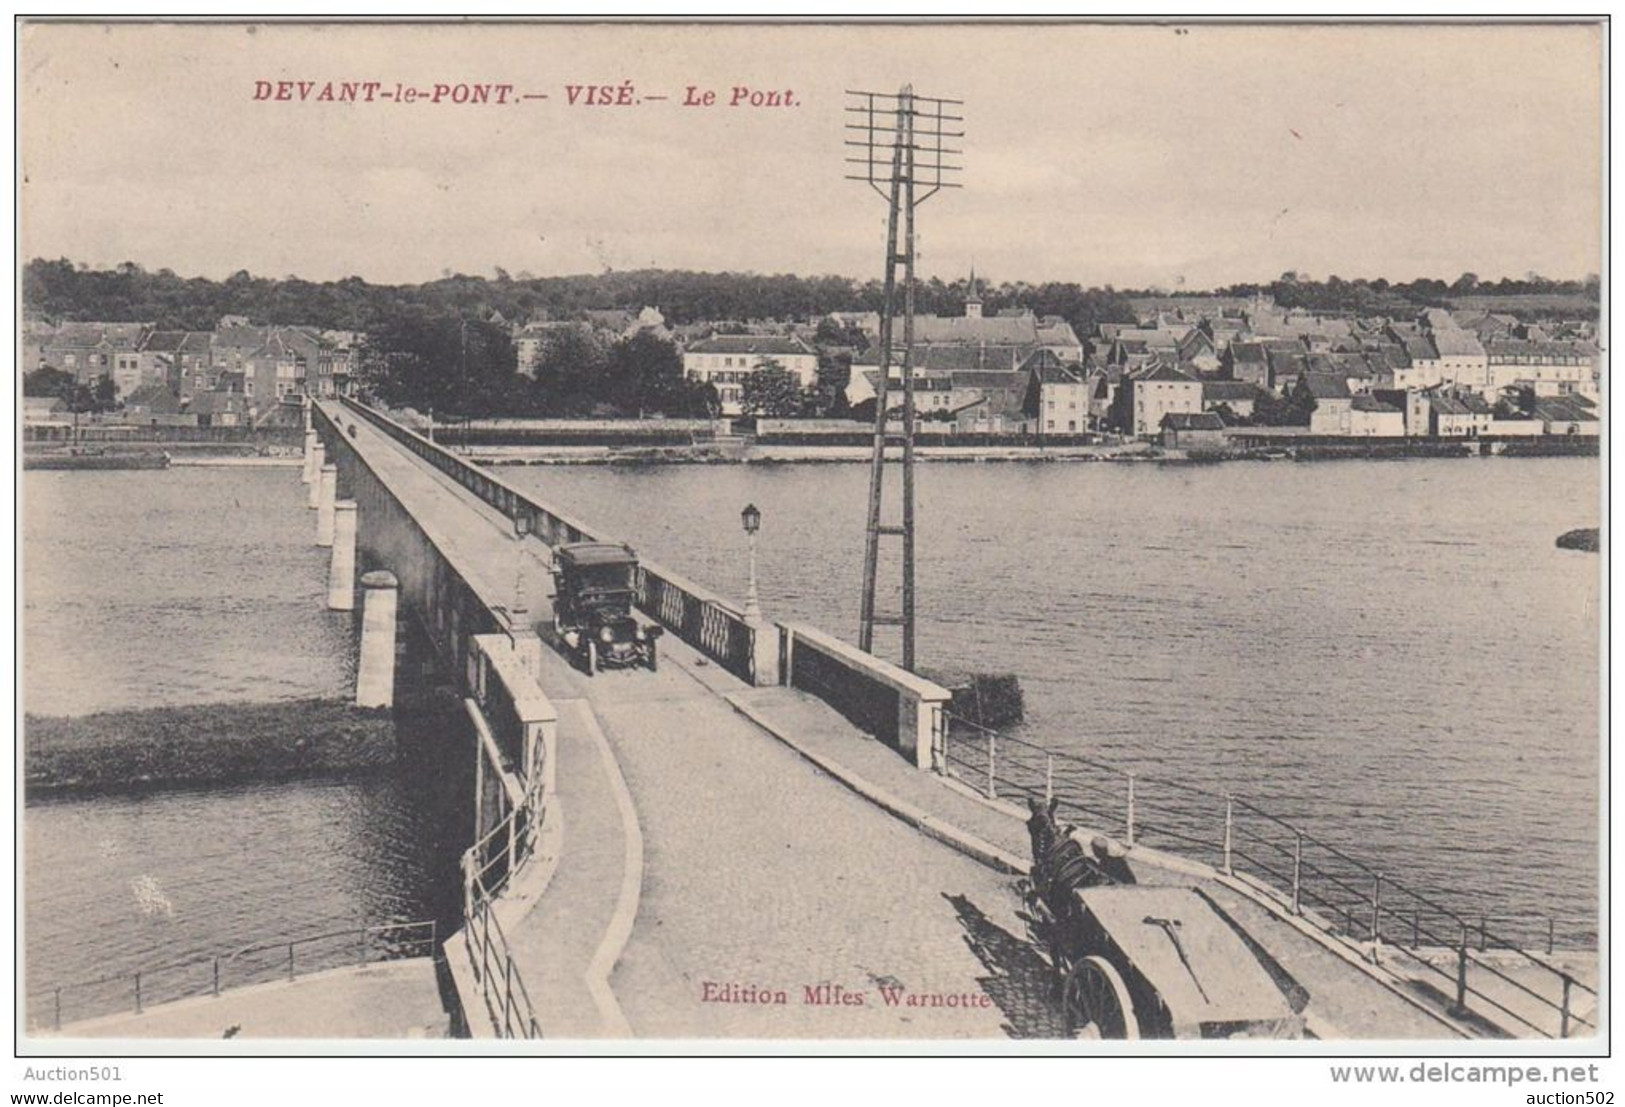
592 657
654 661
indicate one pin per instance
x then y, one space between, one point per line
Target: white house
1334 404
1552 368
725 360
1144 397
1370 417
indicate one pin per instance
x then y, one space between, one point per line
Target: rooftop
767 345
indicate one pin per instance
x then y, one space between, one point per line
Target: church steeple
973 300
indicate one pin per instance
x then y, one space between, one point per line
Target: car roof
596 553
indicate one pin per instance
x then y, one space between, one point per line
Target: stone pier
326 496
375 678
318 459
341 569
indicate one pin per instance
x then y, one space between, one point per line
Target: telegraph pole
898 141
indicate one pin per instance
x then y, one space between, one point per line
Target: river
1393 654
200 585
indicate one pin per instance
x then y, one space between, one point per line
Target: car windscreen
600 578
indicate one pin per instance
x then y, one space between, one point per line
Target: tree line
1360 296
461 367
60 290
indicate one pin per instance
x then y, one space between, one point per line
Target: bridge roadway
739 866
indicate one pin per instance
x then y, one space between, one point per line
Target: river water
199 585
1393 654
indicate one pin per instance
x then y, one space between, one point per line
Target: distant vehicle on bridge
594 589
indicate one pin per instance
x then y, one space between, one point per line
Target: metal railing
1337 893
488 866
706 621
211 974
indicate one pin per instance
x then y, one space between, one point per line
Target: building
531 341
1420 358
1057 398
1458 414
1199 430
1198 349
1567 415
1238 397
1552 368
179 360
725 360
971 343
1288 362
1461 357
1248 362
93 350
341 354
1370 417
222 408
44 409
1057 336
1334 403
279 370
1145 396
232 344
1224 330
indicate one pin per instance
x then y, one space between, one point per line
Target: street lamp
752 520
521 528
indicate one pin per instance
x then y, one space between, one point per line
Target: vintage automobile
592 607
1147 960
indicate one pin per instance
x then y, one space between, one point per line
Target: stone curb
933 827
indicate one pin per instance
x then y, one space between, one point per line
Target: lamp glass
752 518
521 523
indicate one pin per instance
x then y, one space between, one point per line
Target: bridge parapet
715 626
900 708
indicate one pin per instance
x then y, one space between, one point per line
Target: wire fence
134 991
1341 895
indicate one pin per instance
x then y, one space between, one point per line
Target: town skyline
1131 155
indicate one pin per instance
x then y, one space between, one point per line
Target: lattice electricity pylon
906 136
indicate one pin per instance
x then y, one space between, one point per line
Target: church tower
973 299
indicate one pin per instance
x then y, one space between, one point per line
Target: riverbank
201 745
59 455
1139 452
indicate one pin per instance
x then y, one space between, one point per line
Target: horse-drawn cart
1147 961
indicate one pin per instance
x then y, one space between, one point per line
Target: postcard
1071 537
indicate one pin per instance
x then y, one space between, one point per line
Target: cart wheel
1097 1001
592 657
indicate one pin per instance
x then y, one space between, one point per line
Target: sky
1174 156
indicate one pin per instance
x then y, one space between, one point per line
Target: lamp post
521 528
752 520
